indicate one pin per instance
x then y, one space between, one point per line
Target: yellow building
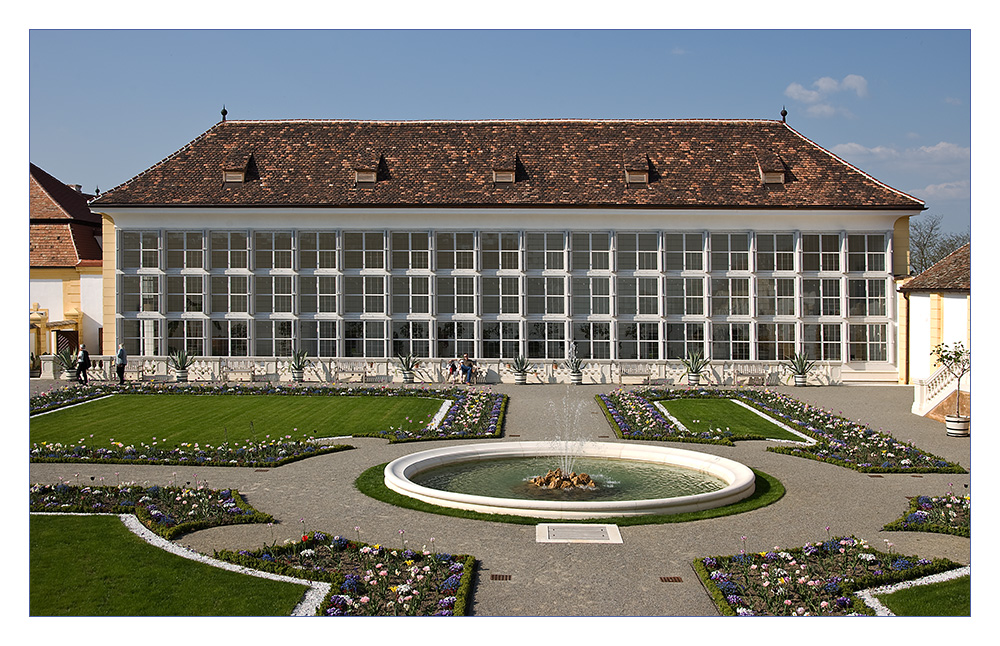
934 309
65 281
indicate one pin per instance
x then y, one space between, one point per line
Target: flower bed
272 453
473 414
369 580
167 511
840 441
947 514
816 579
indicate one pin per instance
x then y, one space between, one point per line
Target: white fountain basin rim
739 478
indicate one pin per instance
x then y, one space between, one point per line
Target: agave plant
67 359
520 364
799 364
298 360
181 360
407 362
573 362
695 363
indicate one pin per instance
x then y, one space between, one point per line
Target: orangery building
619 240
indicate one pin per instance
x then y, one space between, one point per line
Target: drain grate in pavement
913 476
671 579
512 435
870 475
499 577
261 470
574 533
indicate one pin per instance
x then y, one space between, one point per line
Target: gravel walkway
560 579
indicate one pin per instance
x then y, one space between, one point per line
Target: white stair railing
928 393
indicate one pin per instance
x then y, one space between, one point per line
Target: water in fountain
569 438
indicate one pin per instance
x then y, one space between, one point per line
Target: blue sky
106 105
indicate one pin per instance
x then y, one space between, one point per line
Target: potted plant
521 367
181 361
799 365
695 364
67 361
298 365
958 361
575 365
408 363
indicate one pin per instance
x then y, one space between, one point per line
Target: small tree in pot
181 361
800 366
695 364
958 361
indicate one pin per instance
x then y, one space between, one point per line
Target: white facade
620 284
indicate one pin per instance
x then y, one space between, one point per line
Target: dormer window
503 176
636 177
365 177
238 166
772 169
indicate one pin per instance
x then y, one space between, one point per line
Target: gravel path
562 579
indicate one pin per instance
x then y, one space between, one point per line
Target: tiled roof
61 227
53 200
691 163
951 273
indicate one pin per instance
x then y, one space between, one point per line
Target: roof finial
224 112
784 113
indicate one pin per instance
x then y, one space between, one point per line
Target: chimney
76 187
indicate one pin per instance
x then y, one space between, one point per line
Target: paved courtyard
555 579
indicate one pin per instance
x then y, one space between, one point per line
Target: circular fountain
720 481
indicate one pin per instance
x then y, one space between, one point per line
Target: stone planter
957 426
407 376
799 380
576 378
67 375
520 378
181 374
297 375
694 379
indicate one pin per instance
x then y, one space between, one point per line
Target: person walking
468 368
452 370
120 360
82 365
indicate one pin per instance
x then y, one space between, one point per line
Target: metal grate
261 470
512 435
870 475
671 579
499 577
915 476
576 533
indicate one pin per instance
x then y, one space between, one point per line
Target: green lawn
214 419
94 566
708 415
946 599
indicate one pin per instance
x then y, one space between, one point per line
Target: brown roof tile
951 273
50 199
560 163
62 229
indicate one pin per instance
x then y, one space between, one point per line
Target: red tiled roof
951 273
61 226
692 163
53 200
